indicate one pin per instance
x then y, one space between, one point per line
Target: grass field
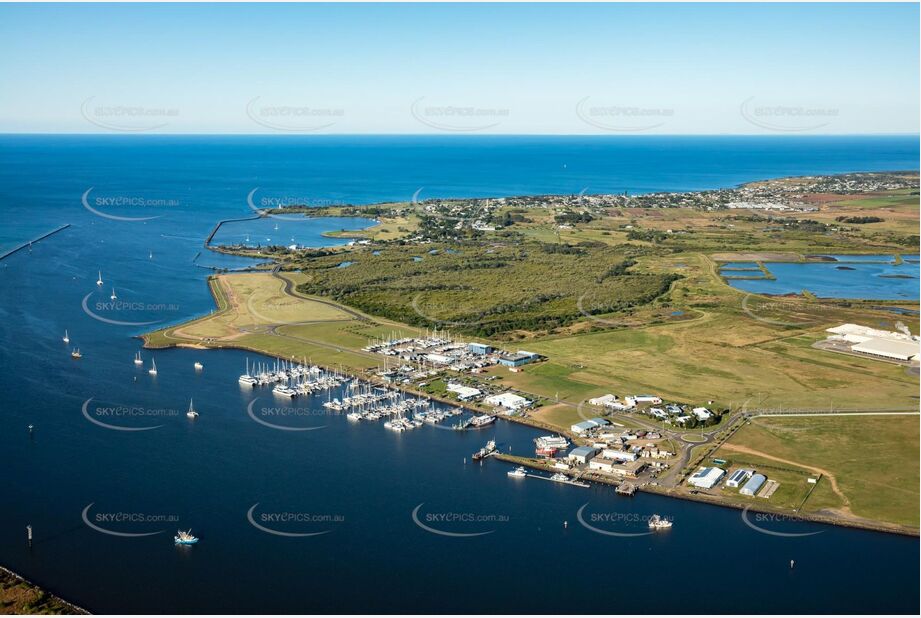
873 461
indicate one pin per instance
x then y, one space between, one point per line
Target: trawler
153 369
191 413
137 359
659 523
185 538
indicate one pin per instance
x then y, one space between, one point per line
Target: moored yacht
153 367
66 338
198 366
137 359
191 413
76 353
518 473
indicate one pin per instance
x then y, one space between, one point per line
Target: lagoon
860 277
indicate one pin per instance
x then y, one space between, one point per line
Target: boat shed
706 478
753 485
581 454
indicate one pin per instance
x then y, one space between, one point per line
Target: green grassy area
873 460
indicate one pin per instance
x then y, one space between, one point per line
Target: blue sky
436 68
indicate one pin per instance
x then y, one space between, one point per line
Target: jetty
29 243
222 222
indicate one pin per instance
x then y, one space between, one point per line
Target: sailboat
150 255
66 337
191 413
138 360
198 366
153 369
99 280
113 296
76 353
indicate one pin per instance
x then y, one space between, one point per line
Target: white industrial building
610 453
463 392
604 400
888 348
753 485
884 344
509 401
706 478
738 477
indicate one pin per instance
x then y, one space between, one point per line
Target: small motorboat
185 538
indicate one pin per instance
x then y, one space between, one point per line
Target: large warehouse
888 348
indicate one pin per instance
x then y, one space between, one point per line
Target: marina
209 471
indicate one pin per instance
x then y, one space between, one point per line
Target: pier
29 243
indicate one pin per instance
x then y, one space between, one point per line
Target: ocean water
354 487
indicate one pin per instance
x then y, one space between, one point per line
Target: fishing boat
659 523
518 473
559 477
191 413
66 337
153 368
185 538
112 295
76 353
137 359
198 366
99 279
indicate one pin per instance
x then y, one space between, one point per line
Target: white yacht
353 416
518 473
66 337
112 295
191 413
246 379
198 366
138 360
153 367
76 353
284 391
99 280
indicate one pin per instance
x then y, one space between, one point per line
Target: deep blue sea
155 200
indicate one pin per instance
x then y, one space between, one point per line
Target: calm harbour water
358 484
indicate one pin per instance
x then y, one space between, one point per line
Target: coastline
48 602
